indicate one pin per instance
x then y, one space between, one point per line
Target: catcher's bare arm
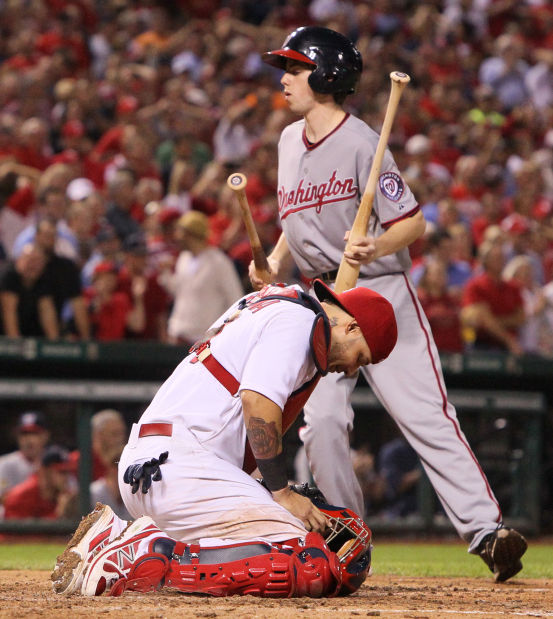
263 420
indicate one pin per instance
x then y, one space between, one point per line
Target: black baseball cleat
501 552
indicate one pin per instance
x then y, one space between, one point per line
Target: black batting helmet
337 61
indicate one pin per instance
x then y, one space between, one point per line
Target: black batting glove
146 473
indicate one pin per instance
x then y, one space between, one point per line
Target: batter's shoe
114 562
94 532
501 552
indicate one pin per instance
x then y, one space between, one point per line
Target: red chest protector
319 341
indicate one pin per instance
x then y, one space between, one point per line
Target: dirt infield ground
28 594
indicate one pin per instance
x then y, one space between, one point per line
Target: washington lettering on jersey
315 196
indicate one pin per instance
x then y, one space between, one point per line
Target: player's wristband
273 471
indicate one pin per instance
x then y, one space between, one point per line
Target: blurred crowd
40 479
120 122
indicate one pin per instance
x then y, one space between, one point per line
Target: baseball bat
237 182
348 274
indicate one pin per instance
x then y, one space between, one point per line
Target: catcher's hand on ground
311 492
302 507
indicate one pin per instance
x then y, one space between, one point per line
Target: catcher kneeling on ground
203 524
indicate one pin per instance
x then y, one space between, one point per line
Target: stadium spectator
64 276
111 311
505 71
108 434
32 436
373 485
518 232
421 167
33 149
27 296
491 306
440 247
122 200
105 489
52 204
462 246
539 79
147 190
398 465
136 272
107 247
441 308
536 332
492 214
203 283
162 244
49 493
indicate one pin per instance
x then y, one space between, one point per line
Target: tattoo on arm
265 439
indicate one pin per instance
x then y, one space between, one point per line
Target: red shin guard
291 569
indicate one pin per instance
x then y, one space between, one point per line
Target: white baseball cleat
115 560
93 533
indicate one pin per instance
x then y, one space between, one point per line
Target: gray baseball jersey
323 206
320 187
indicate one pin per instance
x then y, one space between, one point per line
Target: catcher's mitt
311 492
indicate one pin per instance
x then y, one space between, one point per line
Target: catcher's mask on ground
351 539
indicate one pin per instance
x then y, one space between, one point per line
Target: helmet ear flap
337 71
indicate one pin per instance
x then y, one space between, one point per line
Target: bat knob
399 76
236 181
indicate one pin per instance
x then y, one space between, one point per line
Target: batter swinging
324 163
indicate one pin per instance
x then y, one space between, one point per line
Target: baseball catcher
203 524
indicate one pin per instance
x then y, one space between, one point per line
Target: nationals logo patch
391 185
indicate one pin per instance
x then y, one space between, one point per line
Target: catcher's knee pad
317 568
295 568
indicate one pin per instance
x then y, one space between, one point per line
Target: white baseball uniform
204 493
319 189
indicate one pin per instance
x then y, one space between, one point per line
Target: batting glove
146 473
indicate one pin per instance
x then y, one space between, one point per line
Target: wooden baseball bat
237 182
347 274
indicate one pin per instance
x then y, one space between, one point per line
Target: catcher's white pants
410 385
201 495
